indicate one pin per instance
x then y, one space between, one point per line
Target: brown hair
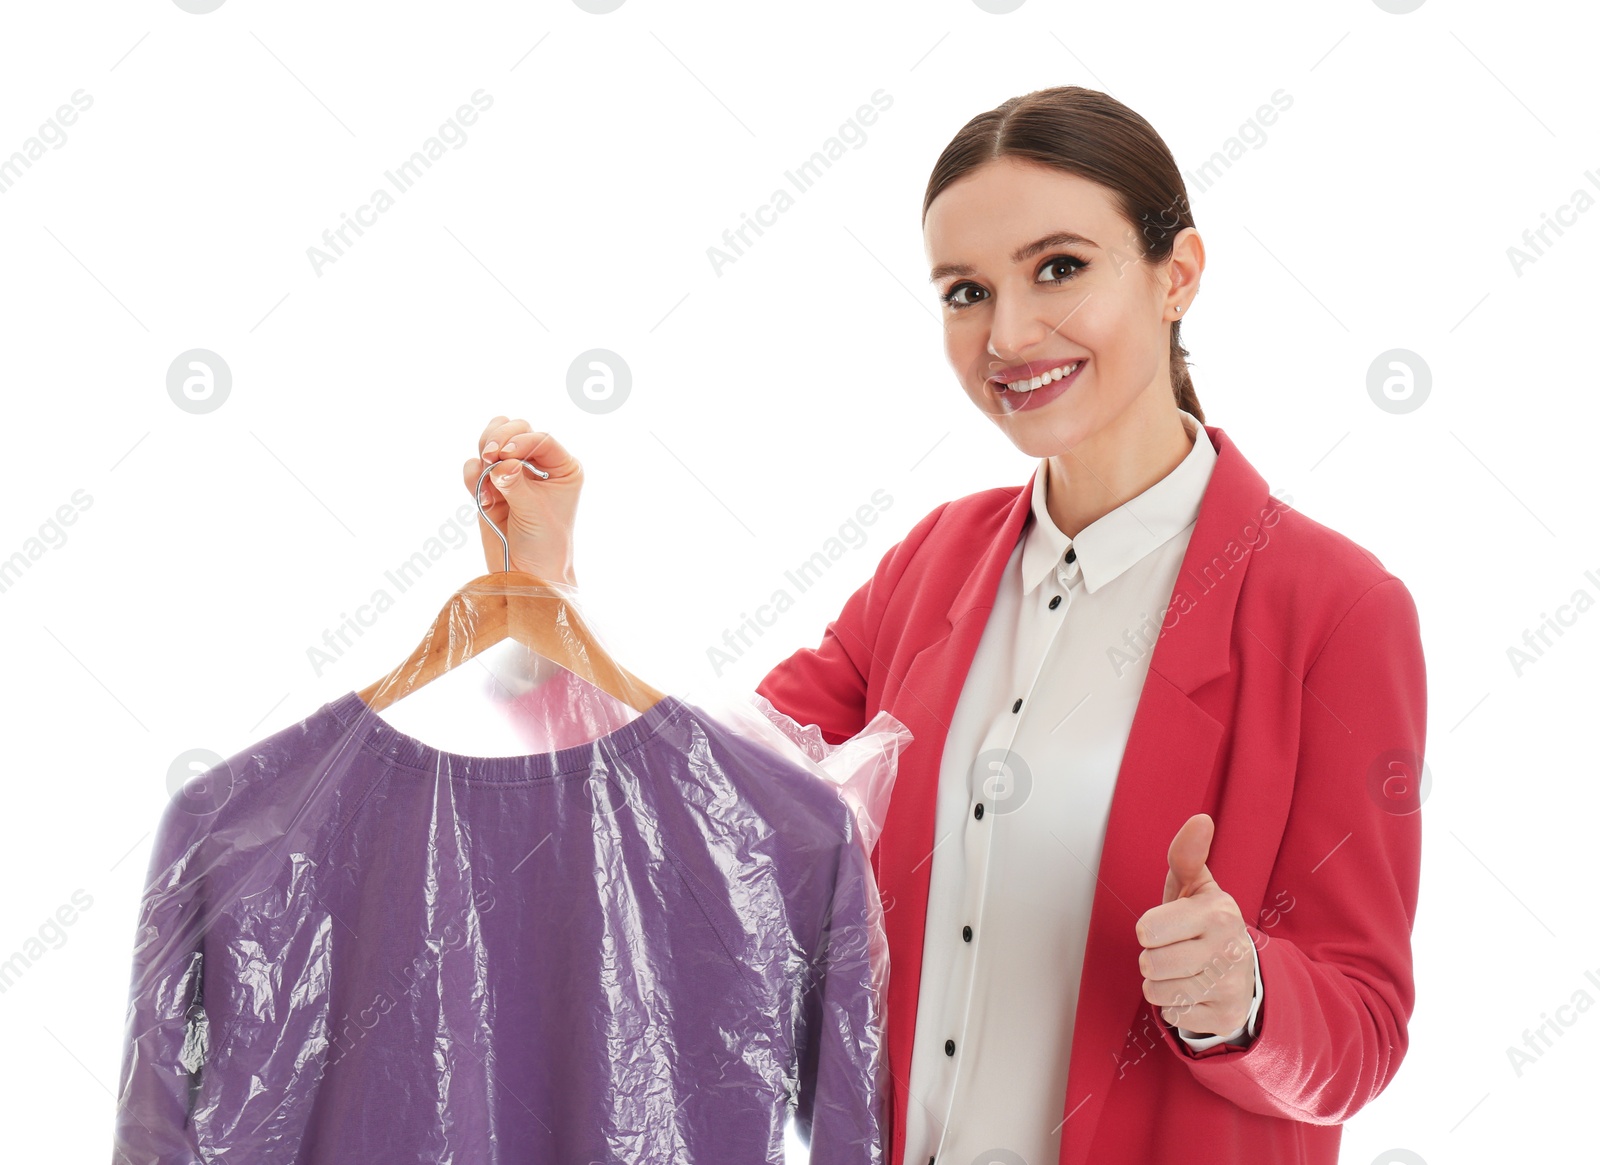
1095 136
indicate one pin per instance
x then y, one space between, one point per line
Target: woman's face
1019 290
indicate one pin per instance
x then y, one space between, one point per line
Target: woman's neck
1118 463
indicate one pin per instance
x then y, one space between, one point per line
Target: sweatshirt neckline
378 736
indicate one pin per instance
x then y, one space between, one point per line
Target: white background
768 403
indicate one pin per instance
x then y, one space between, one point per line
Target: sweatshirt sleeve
826 685
165 1036
843 1061
1336 965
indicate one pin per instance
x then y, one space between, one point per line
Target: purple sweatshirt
357 948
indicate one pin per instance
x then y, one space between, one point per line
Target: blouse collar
1115 541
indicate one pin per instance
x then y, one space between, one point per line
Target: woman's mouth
1038 391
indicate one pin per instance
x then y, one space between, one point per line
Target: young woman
1150 868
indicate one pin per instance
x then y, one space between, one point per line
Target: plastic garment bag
657 939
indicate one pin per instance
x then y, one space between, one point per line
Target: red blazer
1286 698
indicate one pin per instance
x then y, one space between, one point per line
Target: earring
1179 308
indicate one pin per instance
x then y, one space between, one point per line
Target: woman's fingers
491 448
544 452
497 435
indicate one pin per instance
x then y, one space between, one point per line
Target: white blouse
1036 740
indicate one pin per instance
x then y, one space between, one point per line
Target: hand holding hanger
536 507
512 602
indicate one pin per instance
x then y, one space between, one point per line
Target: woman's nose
1015 337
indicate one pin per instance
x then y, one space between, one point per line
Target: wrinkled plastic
647 937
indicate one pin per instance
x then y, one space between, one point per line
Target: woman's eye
1066 264
953 296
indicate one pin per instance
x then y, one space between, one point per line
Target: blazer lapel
1166 768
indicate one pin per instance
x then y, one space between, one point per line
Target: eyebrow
1058 239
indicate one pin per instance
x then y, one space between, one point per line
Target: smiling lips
1024 383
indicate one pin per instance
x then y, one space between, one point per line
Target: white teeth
1044 378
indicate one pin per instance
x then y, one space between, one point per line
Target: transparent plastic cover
649 936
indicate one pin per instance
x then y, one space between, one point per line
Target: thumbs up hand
1196 962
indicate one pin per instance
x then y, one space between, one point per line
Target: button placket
976 848
980 847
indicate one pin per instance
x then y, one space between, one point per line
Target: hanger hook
477 496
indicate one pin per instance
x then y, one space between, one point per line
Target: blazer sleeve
165 1036
1336 966
826 685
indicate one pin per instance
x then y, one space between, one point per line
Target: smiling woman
1133 730
1076 849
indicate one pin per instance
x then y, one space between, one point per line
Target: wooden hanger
516 605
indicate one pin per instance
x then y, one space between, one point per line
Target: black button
1017 705
966 934
977 810
1072 554
1055 602
949 1047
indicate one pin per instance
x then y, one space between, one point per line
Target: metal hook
477 496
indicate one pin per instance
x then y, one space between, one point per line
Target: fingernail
490 447
503 482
